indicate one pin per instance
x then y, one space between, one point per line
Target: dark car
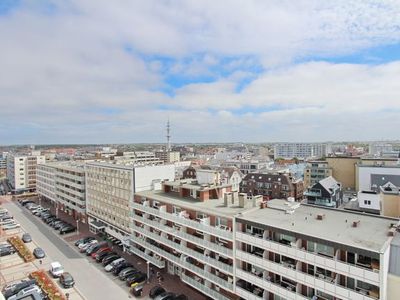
13 289
26 238
50 219
120 267
100 257
92 249
46 216
25 202
155 291
59 225
127 272
39 253
181 297
66 280
109 258
8 250
54 221
67 229
84 240
100 250
165 296
136 278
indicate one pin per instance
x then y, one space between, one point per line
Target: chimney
242 199
320 217
226 198
356 223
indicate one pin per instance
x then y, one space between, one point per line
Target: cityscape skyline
77 72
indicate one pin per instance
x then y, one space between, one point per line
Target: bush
22 249
47 285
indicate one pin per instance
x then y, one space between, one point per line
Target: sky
100 71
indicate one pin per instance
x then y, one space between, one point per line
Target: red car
101 250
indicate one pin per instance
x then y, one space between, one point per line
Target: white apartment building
63 183
21 170
110 188
301 150
379 148
138 157
168 156
247 166
188 229
293 251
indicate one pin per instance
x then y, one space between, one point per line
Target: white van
56 269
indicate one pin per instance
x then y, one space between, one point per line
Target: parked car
95 247
25 292
54 222
7 221
8 250
84 240
85 246
14 288
165 296
181 297
113 264
109 259
50 219
135 279
67 229
56 269
155 291
127 272
26 238
11 226
38 253
59 225
66 280
120 267
26 202
99 251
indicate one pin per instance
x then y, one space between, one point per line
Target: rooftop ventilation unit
356 223
320 217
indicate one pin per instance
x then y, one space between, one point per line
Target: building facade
300 150
316 171
272 185
344 170
326 192
21 171
293 251
168 156
110 189
372 177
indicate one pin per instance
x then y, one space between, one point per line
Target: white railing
246 294
201 257
185 236
208 229
158 263
184 264
201 287
325 262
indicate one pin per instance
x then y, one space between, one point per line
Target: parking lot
91 282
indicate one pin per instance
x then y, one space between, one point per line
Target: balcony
185 236
322 261
184 264
199 256
213 294
208 229
312 193
158 263
245 294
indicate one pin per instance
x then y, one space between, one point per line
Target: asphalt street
90 280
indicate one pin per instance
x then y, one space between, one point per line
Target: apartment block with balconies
188 229
294 251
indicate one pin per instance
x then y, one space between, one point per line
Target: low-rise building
315 171
272 185
168 156
390 201
326 192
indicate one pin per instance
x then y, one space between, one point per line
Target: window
367 202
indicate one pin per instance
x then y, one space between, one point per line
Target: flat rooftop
193 185
211 207
371 234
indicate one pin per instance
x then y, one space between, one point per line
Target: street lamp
148 271
77 226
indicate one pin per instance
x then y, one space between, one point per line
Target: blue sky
257 71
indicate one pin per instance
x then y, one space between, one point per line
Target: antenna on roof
168 136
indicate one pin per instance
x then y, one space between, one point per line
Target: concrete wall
373 198
343 170
144 176
390 205
364 175
393 287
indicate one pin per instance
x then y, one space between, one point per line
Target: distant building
372 177
247 166
168 156
3 167
138 157
301 150
272 185
316 171
21 170
378 148
326 192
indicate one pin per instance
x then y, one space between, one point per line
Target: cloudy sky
100 71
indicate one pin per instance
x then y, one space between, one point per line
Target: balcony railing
199 256
185 236
208 229
204 289
341 267
245 294
184 264
158 263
